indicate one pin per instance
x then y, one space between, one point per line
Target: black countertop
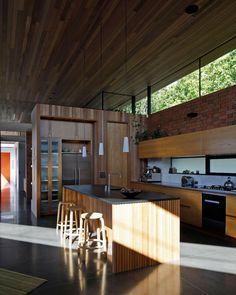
115 197
176 185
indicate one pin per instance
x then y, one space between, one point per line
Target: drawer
230 229
231 206
191 215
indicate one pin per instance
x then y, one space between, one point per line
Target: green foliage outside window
217 75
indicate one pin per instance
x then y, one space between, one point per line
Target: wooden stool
72 228
84 221
61 213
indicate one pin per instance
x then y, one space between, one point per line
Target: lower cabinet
230 229
190 201
191 207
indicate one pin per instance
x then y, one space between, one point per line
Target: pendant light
84 150
126 139
126 144
101 145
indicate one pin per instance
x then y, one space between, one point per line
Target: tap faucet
109 180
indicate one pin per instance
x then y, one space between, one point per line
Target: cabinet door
231 206
116 159
55 173
191 208
44 195
230 229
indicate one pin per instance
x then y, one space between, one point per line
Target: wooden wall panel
145 233
36 161
116 159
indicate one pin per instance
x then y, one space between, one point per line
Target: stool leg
104 242
85 232
80 231
71 228
66 223
98 234
76 221
58 216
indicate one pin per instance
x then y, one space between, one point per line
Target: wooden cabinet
190 201
50 176
116 159
191 207
179 145
207 142
230 228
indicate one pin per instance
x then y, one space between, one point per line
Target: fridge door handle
79 176
75 175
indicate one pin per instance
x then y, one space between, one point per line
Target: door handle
79 176
185 206
75 176
211 201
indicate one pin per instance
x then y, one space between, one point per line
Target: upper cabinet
219 141
209 142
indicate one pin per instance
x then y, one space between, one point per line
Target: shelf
44 166
55 167
80 153
44 191
44 180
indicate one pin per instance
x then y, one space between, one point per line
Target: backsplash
164 164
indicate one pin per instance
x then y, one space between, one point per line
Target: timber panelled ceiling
65 51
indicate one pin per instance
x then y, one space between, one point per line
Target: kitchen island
142 231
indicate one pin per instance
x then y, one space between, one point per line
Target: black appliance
213 212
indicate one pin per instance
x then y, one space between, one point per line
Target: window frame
189 157
208 159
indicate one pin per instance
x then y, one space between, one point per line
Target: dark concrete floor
207 264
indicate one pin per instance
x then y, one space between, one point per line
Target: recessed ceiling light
191 9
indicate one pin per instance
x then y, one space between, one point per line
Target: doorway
9 173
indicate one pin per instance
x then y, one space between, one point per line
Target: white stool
84 221
72 228
61 213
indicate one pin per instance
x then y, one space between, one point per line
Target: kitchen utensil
229 185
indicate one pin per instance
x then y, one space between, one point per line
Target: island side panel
90 204
145 234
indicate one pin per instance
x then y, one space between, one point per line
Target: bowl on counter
130 193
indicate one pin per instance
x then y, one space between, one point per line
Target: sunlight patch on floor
208 257
33 234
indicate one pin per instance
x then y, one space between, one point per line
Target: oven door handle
212 201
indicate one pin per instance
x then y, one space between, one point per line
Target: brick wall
214 110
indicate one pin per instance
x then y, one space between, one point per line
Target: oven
213 212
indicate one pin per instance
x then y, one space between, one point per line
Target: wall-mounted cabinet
50 176
209 142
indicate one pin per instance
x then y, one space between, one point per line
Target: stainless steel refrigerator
76 169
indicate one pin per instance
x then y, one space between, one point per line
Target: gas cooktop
214 187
